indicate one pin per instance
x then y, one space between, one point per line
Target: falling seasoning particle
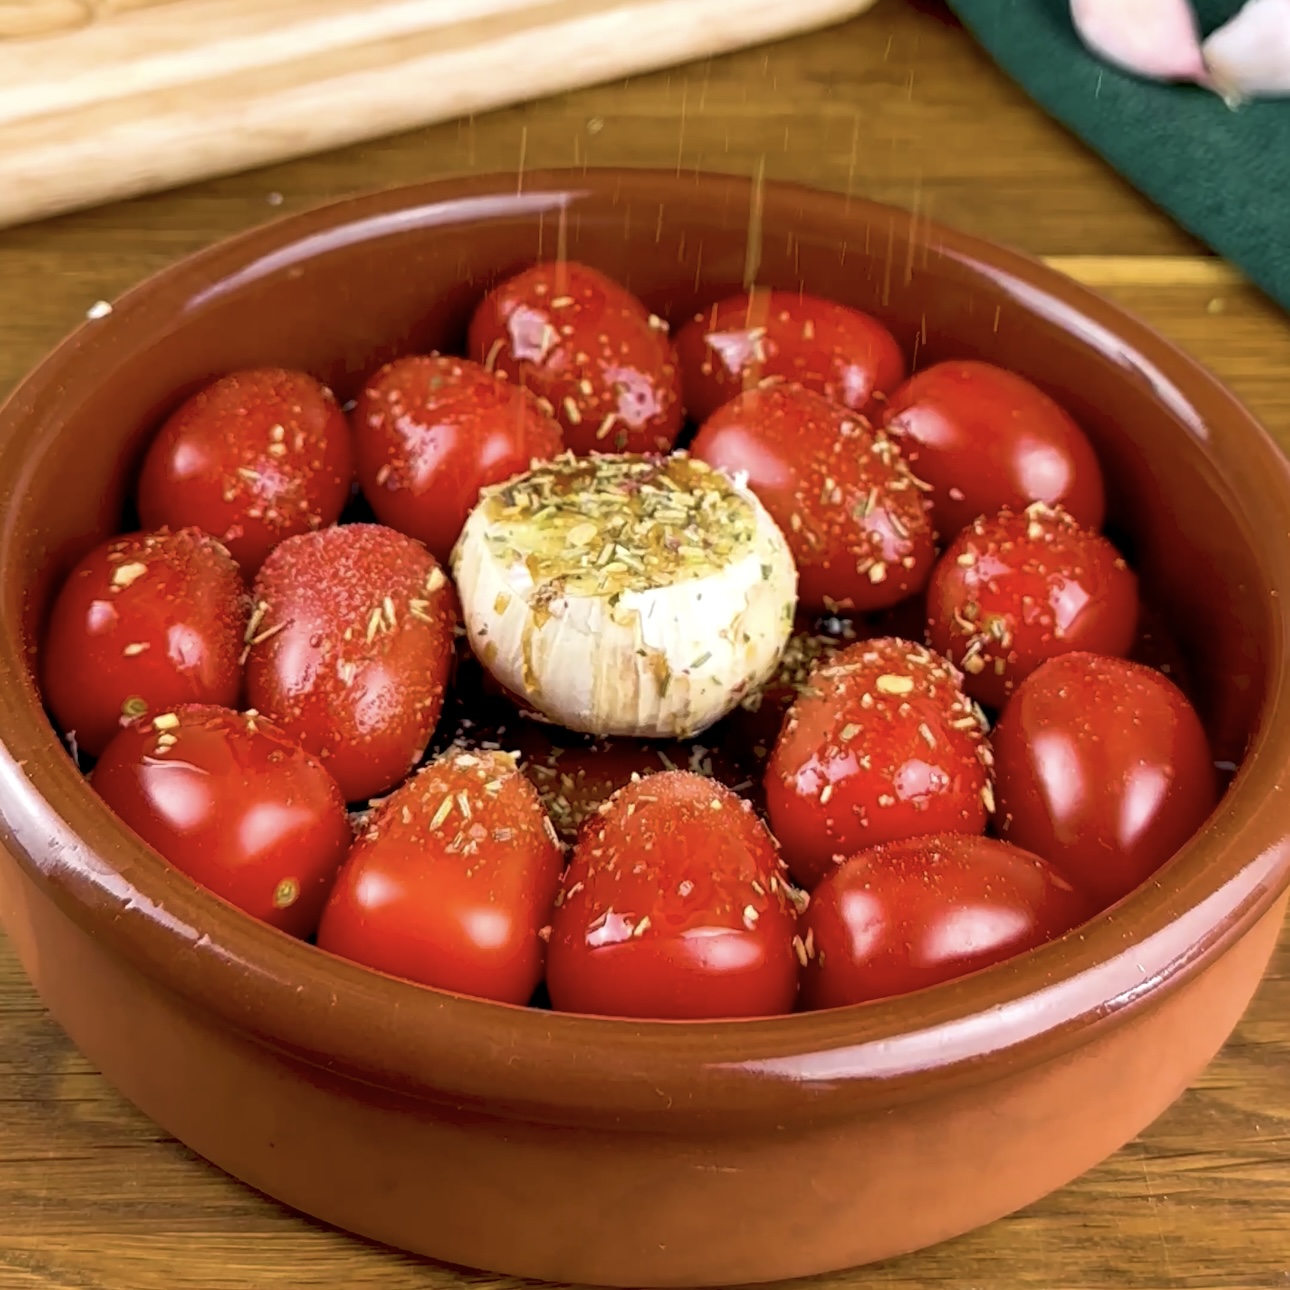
135 648
99 309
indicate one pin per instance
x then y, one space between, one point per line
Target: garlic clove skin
1155 39
626 595
1249 57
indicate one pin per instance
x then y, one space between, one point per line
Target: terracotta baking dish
600 1151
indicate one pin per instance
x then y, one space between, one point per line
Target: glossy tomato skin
603 364
985 438
451 882
1103 768
142 623
769 335
675 905
430 432
351 650
252 458
882 745
854 516
907 915
233 803
1024 586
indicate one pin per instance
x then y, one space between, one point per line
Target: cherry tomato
1103 768
430 432
599 359
452 881
252 458
764 336
882 745
907 915
351 650
985 438
144 622
1022 587
675 905
855 518
230 801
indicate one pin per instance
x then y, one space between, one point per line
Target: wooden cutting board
102 99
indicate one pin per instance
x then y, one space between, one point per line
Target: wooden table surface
898 106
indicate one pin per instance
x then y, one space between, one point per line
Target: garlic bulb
1158 39
1249 57
626 595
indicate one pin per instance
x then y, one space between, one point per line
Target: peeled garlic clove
626 595
1249 57
1158 39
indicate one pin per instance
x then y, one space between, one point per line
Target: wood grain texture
162 94
899 106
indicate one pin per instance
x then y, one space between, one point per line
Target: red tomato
252 458
855 518
430 432
675 905
230 801
985 438
142 623
912 914
1022 587
452 881
601 361
1103 768
881 745
351 650
763 336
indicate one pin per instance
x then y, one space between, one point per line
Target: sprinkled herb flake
610 524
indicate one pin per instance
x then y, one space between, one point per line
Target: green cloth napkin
1223 175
